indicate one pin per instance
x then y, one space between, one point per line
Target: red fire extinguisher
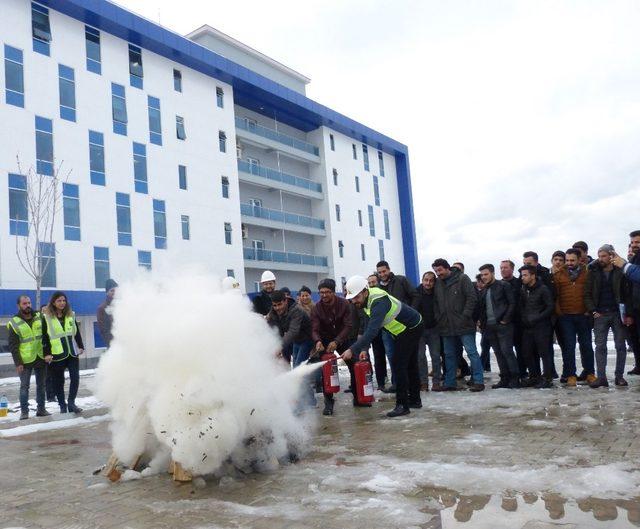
330 380
364 382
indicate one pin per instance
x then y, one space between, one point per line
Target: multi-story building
184 150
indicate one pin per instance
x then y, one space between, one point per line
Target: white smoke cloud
191 376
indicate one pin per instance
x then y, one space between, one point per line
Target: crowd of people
383 317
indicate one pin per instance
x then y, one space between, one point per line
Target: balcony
277 141
272 178
277 260
277 219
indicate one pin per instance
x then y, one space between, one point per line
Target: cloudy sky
522 117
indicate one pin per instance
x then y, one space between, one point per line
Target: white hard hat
355 285
230 283
267 275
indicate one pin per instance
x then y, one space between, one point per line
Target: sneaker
42 412
476 388
591 379
544 384
424 386
572 382
563 380
398 411
621 382
502 384
634 371
74 409
599 383
529 382
24 415
582 377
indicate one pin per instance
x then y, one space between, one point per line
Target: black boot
501 384
328 405
399 410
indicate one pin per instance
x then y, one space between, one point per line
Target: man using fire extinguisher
331 325
404 324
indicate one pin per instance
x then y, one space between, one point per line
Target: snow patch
130 475
536 423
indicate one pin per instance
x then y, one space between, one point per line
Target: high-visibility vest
30 337
57 333
389 323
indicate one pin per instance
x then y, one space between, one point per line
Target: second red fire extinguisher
330 380
364 382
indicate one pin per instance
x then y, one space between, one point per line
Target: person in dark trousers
507 269
50 392
386 313
462 367
632 310
104 316
293 324
25 345
497 306
535 308
59 330
424 303
485 346
331 329
456 300
604 292
262 301
382 346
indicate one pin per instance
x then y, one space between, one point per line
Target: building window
177 80
230 272
222 141
225 187
123 218
376 190
144 259
140 181
381 249
184 221
182 177
40 29
67 87
180 132
135 66
381 163
92 42
332 142
219 97
101 265
155 120
340 248
372 222
354 150
13 76
96 158
256 286
387 230
47 263
365 156
338 212
360 217
18 208
160 224
44 146
362 252
335 177
119 109
71 211
357 184
227 233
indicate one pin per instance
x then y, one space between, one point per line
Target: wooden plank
110 469
181 474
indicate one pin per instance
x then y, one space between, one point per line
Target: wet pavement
500 459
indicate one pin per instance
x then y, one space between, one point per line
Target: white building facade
177 151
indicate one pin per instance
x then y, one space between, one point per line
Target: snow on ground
52 425
86 403
7 381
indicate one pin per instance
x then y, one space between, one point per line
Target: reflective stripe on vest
57 333
30 337
389 323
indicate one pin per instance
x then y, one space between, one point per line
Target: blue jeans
573 325
25 382
301 351
389 346
451 358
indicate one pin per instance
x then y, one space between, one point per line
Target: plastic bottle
4 406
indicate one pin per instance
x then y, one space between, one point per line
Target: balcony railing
281 216
278 176
274 135
253 254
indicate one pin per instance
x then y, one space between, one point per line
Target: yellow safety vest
30 337
57 333
390 323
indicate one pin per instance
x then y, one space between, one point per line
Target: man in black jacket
497 306
396 285
424 303
536 307
262 301
292 322
507 269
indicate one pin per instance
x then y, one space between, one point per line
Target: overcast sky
522 117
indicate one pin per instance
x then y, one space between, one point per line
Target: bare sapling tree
34 240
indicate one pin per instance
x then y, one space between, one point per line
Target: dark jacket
14 345
424 303
400 288
456 299
593 286
105 322
503 300
262 303
516 284
294 325
332 323
536 305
